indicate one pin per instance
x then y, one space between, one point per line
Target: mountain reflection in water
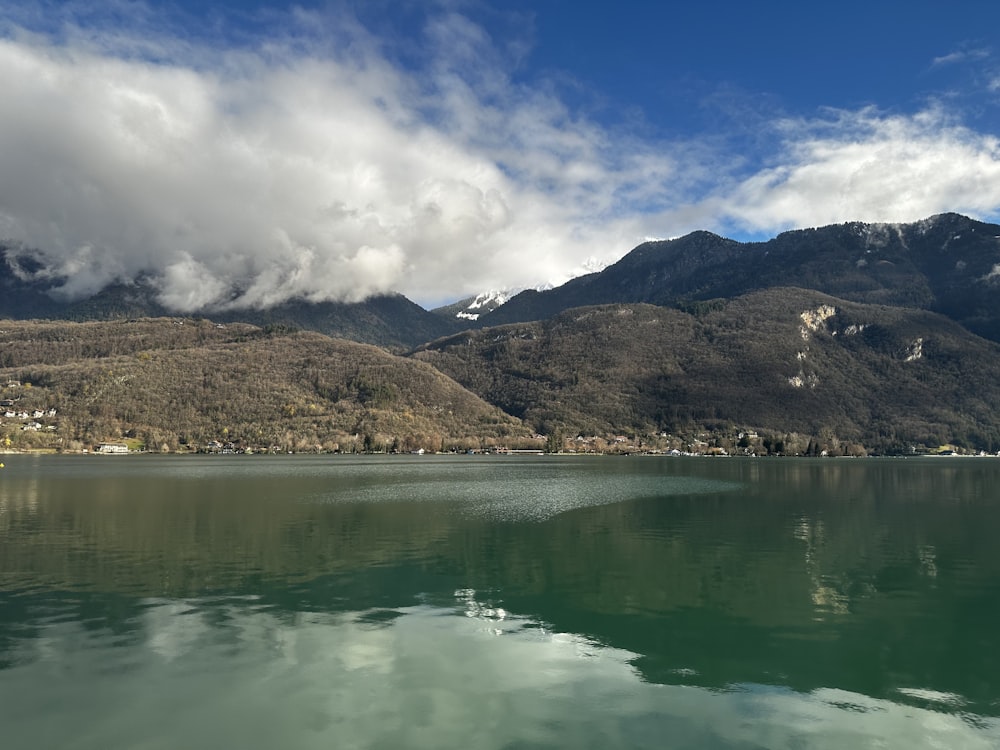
499 602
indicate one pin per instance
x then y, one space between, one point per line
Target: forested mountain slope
175 383
777 361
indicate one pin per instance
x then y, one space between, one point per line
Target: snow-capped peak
484 302
472 308
491 300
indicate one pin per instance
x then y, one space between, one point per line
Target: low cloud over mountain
308 157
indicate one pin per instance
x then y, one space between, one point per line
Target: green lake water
499 602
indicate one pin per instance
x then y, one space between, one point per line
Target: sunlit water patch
496 493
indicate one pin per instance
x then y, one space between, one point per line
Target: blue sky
331 150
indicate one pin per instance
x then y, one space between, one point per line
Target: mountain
785 364
472 308
175 383
948 264
846 339
391 320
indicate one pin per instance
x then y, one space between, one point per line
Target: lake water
498 602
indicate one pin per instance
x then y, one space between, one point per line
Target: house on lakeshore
112 448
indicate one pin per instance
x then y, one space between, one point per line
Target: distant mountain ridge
948 264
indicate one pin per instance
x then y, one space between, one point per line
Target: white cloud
948 59
869 167
961 56
278 172
309 164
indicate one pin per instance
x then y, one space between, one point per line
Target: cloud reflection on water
227 672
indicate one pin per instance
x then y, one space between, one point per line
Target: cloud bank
310 163
871 167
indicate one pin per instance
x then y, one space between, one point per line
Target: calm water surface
495 602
